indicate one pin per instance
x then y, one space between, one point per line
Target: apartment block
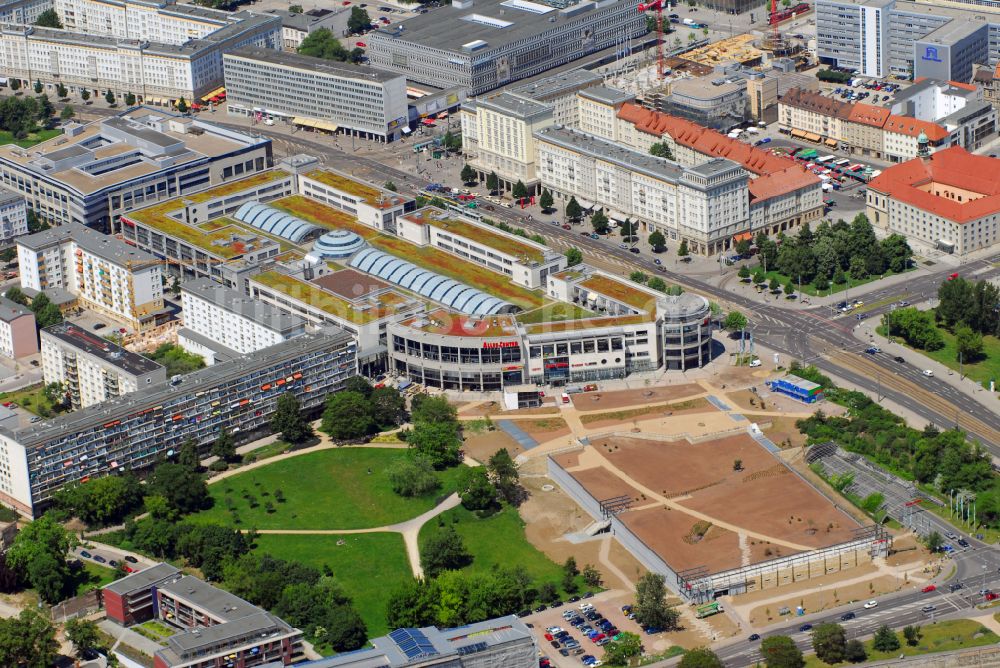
23 11
18 332
220 322
13 215
139 429
92 369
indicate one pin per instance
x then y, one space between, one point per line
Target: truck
708 610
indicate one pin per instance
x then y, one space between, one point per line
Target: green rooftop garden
619 291
347 185
323 300
482 234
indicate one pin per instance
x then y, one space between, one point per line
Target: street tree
775 285
854 651
519 190
742 247
573 209
885 640
182 105
599 221
969 343
628 230
789 288
38 87
444 550
468 174
347 416
85 95
288 420
829 641
657 283
934 541
66 113
130 99
744 273
390 186
781 652
545 200
657 241
734 322
61 91
700 657
109 97
638 276
651 607
83 634
628 646
573 256
912 635
492 182
682 250
15 85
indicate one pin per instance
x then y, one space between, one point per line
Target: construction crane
658 6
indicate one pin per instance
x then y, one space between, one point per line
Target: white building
218 317
23 11
104 273
706 204
372 205
13 215
18 334
92 369
498 136
160 21
528 263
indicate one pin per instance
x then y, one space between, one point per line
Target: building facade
25 12
296 26
486 44
136 431
13 215
948 200
104 273
299 89
215 628
93 370
18 332
94 173
559 90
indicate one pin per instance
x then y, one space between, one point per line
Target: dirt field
772 401
781 431
763 497
483 445
602 401
627 416
545 429
494 409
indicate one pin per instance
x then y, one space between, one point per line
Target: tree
885 640
45 109
492 182
969 343
15 294
413 476
651 608
657 241
61 91
476 491
545 200
858 268
775 285
48 315
629 645
185 490
347 416
737 464
49 19
759 276
359 21
38 87
28 641
224 447
829 641
67 113
734 322
101 501
359 384
38 556
468 174
573 209
682 250
591 576
657 283
638 276
323 44
599 221
854 651
85 94
83 634
295 9
288 421
444 550
519 190
505 478
389 185
744 274
934 541
182 105
433 409
742 247
439 442
661 150
15 84
573 256
781 652
8 254
388 407
789 287
109 97
912 635
628 230
700 657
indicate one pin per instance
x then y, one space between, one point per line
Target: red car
952 277
361 44
929 588
548 636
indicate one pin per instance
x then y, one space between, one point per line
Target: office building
139 429
105 274
95 172
712 103
296 26
504 641
91 369
220 323
498 137
762 93
215 628
164 21
480 45
706 205
312 92
13 215
947 200
25 12
559 90
598 109
156 72
882 38
18 333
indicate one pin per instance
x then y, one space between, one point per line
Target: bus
843 162
826 158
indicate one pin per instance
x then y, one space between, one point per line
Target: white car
871 604
928 373
554 629
755 363
586 606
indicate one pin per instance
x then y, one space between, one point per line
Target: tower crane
657 5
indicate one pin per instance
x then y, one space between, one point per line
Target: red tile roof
952 166
868 114
964 86
776 175
912 127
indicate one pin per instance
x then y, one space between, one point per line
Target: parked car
99 559
85 554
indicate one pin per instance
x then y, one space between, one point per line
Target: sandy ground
773 401
781 431
630 416
603 401
795 458
483 445
545 429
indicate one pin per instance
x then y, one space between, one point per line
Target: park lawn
345 488
499 540
368 566
32 399
938 637
810 289
32 139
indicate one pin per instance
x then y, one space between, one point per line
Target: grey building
713 103
296 26
136 431
560 91
304 90
480 45
504 641
23 11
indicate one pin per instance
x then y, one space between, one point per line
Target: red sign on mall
501 344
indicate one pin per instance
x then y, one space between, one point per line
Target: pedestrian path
524 439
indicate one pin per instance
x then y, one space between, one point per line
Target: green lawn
93 577
982 371
499 540
368 566
810 289
31 399
346 488
938 637
33 138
